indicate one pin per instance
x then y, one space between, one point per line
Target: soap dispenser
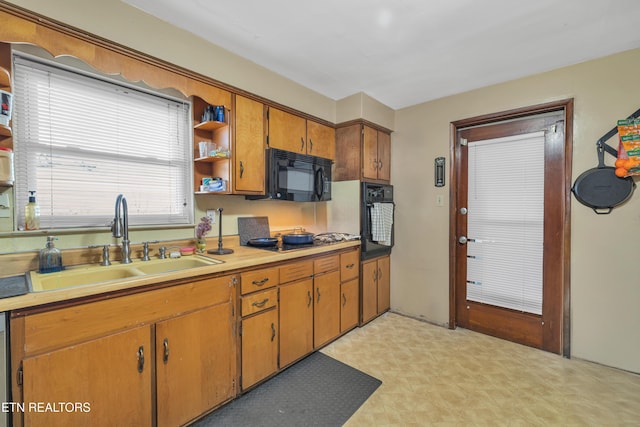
32 213
50 257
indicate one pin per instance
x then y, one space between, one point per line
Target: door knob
462 240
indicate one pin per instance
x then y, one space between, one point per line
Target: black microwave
296 177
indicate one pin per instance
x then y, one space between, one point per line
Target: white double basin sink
92 274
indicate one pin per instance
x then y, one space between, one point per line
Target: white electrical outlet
211 213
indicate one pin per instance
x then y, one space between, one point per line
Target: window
80 140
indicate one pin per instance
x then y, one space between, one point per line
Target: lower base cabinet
195 370
106 381
75 368
259 347
296 321
326 313
375 287
349 303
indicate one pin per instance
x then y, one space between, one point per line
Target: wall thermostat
439 171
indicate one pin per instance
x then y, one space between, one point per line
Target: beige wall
605 291
604 248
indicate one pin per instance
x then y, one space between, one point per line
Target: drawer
296 271
325 264
349 265
259 301
257 280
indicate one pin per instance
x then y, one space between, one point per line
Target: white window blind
505 222
80 141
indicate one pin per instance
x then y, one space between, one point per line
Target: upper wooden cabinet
321 140
216 161
362 153
248 153
5 85
289 132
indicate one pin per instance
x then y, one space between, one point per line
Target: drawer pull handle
141 358
260 282
165 355
344 300
260 303
350 266
273 331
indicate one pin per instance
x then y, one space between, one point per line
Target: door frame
564 251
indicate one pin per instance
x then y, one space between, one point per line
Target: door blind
505 222
81 140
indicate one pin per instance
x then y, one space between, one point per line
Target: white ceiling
404 52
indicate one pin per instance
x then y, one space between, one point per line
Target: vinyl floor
433 376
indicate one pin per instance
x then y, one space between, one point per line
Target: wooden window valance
20 26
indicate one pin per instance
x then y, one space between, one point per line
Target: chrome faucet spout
121 227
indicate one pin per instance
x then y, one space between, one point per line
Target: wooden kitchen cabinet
289 132
375 287
326 311
195 371
110 377
296 311
362 153
296 321
111 353
259 325
249 145
215 132
259 347
5 85
376 154
321 140
349 288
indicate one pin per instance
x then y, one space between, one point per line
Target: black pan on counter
297 238
263 241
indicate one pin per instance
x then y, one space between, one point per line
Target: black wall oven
296 177
376 200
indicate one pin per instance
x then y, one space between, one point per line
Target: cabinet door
287 131
296 321
249 146
349 305
384 156
195 363
384 282
370 153
326 312
321 140
259 347
110 377
369 290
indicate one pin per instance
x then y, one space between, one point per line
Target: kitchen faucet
117 226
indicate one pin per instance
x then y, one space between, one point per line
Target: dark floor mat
317 391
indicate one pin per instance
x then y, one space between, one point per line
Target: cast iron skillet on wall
600 189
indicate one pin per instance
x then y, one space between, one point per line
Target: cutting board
252 228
